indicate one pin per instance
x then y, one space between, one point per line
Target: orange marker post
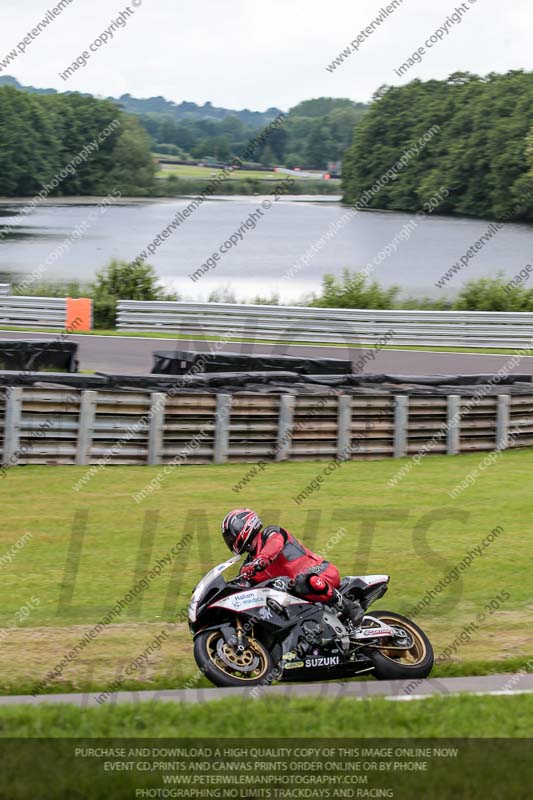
79 315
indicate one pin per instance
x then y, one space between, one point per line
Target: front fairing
208 581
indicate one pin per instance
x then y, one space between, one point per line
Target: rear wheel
224 666
408 654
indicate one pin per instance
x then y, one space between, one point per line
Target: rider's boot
348 609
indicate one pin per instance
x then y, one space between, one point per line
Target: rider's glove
251 569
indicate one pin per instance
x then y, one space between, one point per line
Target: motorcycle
246 635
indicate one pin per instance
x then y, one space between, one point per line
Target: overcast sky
249 53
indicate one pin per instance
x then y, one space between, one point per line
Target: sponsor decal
372 632
245 600
329 661
265 613
294 665
289 656
257 598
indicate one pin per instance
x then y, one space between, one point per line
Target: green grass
453 716
191 179
172 185
210 338
414 532
193 171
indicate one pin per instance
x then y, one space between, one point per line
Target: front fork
234 634
241 639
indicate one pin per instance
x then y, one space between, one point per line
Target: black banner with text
284 769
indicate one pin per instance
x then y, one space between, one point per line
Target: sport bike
245 634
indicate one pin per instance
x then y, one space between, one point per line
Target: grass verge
85 549
461 716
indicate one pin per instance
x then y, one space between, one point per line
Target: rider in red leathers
273 552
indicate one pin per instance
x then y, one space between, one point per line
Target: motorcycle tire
414 662
224 667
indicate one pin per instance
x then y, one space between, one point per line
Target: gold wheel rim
244 659
411 656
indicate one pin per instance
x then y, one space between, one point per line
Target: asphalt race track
133 355
506 684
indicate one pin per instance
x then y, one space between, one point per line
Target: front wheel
224 666
408 654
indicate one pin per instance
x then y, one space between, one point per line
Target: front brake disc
244 662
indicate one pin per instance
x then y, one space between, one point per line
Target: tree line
314 133
41 133
480 153
42 136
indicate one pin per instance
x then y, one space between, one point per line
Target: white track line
494 693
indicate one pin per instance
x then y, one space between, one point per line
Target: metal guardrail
47 425
39 312
286 324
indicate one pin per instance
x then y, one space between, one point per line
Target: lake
271 244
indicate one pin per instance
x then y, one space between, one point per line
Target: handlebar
241 580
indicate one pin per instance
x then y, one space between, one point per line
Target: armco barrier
286 324
48 425
46 312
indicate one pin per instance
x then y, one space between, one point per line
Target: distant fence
5 288
41 312
286 324
73 426
45 312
